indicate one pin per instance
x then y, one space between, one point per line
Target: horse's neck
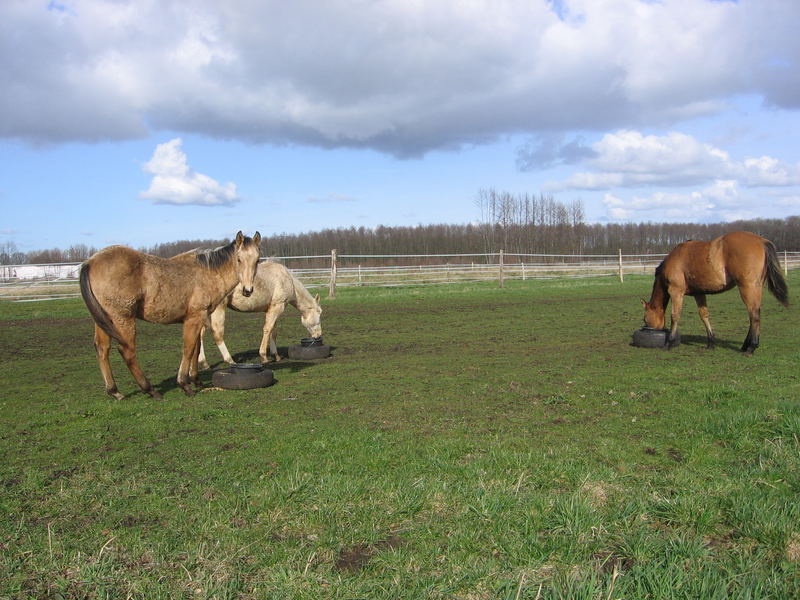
301 299
659 298
224 277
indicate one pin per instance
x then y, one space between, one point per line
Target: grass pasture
463 442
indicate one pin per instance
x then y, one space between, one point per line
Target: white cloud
722 200
396 76
768 171
713 203
174 182
631 159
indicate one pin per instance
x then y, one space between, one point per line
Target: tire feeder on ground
649 337
243 376
309 349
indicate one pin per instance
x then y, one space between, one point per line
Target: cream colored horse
273 288
120 285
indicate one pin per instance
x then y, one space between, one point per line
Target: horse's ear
317 298
644 303
239 238
257 239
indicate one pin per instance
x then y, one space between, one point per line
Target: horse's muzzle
247 292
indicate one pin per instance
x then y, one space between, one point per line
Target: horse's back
717 265
113 268
273 284
744 246
694 267
135 284
746 256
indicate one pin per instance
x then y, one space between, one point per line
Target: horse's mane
216 257
659 269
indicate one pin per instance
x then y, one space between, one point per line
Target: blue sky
140 122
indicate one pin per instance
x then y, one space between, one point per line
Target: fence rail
27 283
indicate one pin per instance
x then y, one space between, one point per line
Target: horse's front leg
702 309
194 365
202 363
675 316
217 320
191 340
270 319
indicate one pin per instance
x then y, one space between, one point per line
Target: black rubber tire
647 337
309 352
242 380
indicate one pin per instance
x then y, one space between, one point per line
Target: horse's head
310 319
248 251
653 316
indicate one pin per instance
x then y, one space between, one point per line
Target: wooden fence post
332 286
501 269
621 277
785 264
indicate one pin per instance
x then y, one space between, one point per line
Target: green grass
463 442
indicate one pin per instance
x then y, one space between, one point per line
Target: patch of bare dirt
675 455
608 561
793 548
354 558
597 492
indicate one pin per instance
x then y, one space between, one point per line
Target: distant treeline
513 223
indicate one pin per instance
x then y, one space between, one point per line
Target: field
463 442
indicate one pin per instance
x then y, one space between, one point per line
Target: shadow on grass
286 363
701 340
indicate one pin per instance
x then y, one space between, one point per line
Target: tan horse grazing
695 268
274 287
120 285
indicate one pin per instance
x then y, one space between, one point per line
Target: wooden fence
46 282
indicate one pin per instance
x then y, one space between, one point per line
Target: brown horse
696 268
120 285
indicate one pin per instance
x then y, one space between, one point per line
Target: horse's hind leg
102 344
702 309
751 296
273 343
127 348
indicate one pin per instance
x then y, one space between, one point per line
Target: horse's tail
98 313
775 281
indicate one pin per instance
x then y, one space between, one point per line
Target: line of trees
11 255
514 223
